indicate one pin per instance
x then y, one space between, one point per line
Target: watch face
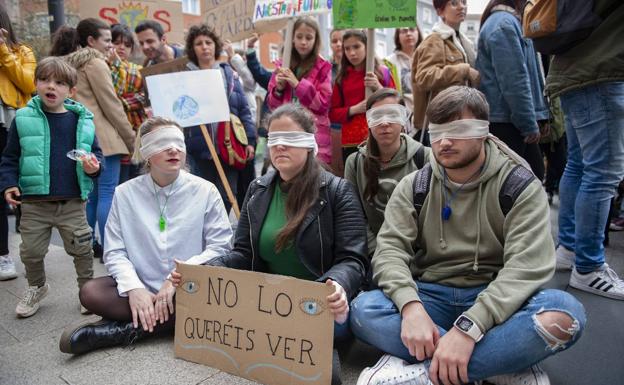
464 324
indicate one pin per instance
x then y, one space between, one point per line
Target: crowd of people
368 195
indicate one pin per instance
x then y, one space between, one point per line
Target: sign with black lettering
266 328
233 19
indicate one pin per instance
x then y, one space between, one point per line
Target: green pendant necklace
162 223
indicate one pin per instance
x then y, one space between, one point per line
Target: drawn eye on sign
311 306
190 287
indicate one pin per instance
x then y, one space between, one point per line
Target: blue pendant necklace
446 209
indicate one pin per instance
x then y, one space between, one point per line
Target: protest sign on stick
267 11
182 97
267 328
179 95
374 13
233 19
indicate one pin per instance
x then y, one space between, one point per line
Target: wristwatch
468 327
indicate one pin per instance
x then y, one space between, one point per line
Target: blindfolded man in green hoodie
463 251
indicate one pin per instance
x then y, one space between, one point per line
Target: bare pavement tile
29 352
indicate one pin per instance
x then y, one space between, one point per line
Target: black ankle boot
98 333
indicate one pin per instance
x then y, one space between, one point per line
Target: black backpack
515 183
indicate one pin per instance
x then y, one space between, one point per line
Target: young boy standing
52 188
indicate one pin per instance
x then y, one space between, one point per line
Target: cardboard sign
175 65
374 13
233 19
267 328
190 98
278 9
131 13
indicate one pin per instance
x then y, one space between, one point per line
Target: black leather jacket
331 241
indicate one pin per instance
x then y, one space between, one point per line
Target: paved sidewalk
29 351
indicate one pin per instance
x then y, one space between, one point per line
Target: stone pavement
29 351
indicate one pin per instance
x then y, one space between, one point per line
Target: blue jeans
101 198
509 347
594 118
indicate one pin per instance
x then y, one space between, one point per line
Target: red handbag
232 142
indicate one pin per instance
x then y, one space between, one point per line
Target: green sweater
401 164
285 262
599 58
514 255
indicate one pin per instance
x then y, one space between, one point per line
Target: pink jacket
313 92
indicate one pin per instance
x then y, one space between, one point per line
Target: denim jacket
511 78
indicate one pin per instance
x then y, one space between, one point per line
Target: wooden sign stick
217 161
370 55
288 43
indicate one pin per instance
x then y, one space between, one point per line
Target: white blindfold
459 129
293 139
387 113
161 140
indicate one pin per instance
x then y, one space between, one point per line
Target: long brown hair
303 189
5 22
372 164
344 63
305 64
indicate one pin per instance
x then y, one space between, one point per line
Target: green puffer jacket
34 138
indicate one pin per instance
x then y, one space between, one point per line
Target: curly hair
201 30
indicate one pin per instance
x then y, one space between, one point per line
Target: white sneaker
30 302
565 258
604 282
531 376
390 370
7 268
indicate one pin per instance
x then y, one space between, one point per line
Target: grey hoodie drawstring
442 241
475 266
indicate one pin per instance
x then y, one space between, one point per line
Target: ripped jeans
509 347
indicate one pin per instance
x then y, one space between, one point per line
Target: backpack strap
419 157
420 186
515 183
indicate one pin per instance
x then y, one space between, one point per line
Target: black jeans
531 152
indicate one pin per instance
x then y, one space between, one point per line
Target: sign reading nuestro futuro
277 9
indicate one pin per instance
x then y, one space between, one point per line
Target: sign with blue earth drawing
190 98
374 13
267 328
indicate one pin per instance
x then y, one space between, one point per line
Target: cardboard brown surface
267 328
175 65
132 12
233 19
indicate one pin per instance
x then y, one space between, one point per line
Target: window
427 16
381 50
273 52
191 6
